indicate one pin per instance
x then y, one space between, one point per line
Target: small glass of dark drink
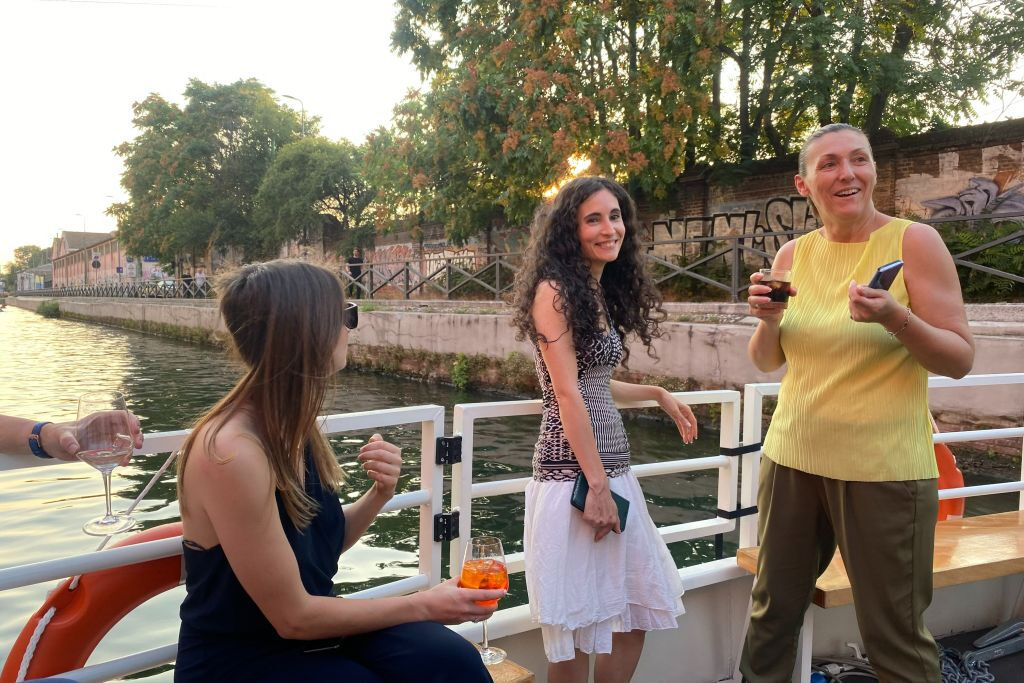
779 281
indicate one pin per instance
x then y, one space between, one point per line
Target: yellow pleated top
853 403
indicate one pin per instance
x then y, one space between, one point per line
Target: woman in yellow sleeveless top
848 456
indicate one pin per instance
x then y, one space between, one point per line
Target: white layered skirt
582 591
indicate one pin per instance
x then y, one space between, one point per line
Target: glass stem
106 491
484 624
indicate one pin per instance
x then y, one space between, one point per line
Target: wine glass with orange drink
484 567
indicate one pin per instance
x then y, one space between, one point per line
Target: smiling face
600 230
839 176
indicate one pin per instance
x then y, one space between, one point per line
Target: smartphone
886 275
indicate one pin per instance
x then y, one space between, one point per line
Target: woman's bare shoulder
229 448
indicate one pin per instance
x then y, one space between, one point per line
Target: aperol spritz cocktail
484 567
485 574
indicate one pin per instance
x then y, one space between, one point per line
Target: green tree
193 172
527 87
645 88
29 256
313 184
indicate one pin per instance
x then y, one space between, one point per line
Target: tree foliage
193 172
25 257
312 183
29 256
644 89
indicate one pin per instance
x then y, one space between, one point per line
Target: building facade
40 277
90 258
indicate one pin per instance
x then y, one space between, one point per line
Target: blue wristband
34 442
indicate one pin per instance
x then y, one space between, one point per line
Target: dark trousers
420 652
354 291
886 534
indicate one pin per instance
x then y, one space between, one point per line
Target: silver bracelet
902 327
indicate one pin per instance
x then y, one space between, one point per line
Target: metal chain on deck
956 670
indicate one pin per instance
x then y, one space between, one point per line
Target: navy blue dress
225 637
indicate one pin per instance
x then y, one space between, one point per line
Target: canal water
46 364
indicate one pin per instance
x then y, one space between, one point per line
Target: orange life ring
950 477
82 616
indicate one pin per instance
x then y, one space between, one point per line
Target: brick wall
961 171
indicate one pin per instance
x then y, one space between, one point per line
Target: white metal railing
753 405
464 490
427 498
733 472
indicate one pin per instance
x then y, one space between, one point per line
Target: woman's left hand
681 414
382 462
869 305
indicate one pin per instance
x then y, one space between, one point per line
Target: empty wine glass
104 436
484 567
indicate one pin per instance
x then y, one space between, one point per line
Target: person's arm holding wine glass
56 440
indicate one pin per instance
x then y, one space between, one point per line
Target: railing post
1021 494
497 277
448 278
432 478
406 279
462 490
737 262
729 437
752 408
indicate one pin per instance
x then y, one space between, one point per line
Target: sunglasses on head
350 315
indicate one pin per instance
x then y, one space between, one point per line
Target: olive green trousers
886 534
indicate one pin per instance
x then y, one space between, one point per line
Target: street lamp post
302 107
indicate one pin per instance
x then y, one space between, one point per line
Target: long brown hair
284 318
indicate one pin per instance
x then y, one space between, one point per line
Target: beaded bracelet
902 327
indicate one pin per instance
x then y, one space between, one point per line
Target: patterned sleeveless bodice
553 459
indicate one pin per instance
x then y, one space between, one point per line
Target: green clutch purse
579 499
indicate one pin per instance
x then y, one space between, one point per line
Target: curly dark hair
554 253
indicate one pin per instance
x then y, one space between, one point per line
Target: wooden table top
966 550
509 672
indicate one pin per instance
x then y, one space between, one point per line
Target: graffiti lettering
780 214
981 196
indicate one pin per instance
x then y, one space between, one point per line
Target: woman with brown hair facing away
848 456
581 290
263 527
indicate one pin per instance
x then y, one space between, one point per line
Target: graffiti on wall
777 214
390 260
981 196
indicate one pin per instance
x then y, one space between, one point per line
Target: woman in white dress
581 290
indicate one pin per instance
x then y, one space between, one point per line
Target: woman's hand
761 306
60 440
869 305
681 414
448 603
600 512
382 462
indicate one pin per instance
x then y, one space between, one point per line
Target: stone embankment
473 343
